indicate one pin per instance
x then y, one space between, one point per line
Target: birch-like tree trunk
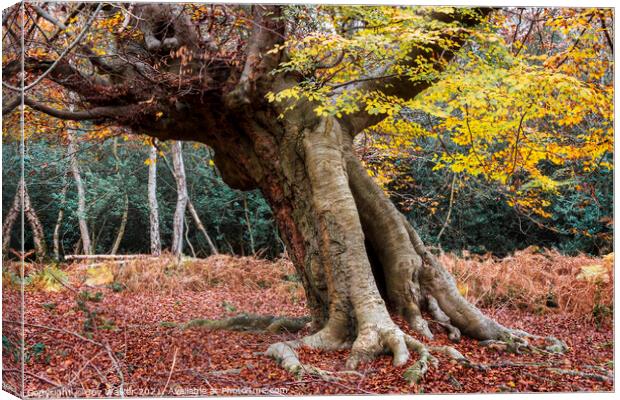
153 206
81 211
121 229
179 212
58 226
38 235
195 216
9 220
201 227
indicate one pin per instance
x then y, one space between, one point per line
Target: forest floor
129 337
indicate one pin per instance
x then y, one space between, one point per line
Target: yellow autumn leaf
593 273
99 276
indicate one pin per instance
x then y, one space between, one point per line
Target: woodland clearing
135 336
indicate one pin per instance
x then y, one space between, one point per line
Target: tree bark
194 214
179 212
153 206
58 226
201 227
121 229
38 235
77 177
9 220
246 214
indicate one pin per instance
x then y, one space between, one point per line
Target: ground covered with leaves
122 328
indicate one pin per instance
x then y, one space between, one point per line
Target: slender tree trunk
201 227
179 213
191 247
194 214
247 222
81 211
121 229
153 206
119 174
9 220
38 235
59 219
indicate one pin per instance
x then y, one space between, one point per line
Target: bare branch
267 32
403 86
96 113
45 15
62 55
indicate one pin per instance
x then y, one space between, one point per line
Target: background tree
153 206
72 148
179 213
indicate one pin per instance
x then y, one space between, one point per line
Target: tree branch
62 55
10 106
268 31
606 32
45 15
97 113
403 86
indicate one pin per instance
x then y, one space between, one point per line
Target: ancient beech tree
225 76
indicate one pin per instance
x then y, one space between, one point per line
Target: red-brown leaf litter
137 340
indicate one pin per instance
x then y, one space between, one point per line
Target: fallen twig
42 378
174 361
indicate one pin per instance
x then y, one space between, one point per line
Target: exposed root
516 341
416 372
419 325
454 334
450 352
374 340
587 375
247 322
285 354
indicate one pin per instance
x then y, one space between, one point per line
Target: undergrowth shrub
538 281
166 274
37 277
535 280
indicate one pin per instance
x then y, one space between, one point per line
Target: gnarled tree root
248 322
285 354
516 341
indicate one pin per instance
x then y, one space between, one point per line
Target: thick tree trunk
153 207
179 212
357 256
81 211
